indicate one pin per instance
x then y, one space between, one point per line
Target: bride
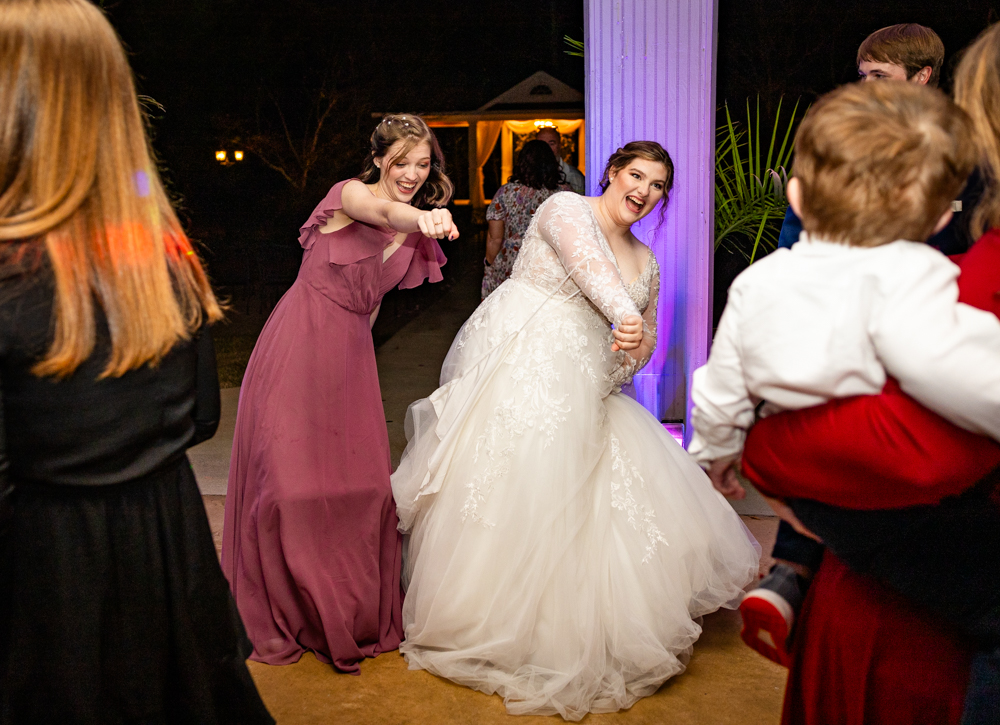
561 544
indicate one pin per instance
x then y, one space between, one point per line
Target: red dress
861 653
310 545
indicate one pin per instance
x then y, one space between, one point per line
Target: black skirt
113 608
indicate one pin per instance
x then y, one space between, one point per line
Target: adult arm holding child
884 451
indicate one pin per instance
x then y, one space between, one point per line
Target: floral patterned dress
513 204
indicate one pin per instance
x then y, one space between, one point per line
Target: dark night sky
221 68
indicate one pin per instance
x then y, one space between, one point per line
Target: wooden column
475 183
650 75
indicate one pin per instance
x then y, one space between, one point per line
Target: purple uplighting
676 430
651 76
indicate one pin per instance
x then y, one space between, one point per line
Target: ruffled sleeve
425 264
349 244
323 211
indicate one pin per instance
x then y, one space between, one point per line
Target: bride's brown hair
77 173
411 130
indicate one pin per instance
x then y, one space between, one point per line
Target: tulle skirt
561 544
113 608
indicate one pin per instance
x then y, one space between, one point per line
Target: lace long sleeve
635 360
566 224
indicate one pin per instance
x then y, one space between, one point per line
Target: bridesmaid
310 544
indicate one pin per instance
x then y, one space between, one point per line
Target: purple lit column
650 75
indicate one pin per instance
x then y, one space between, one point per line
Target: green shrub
750 199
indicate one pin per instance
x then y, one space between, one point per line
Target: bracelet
487 262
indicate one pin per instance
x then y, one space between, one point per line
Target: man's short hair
907 45
879 162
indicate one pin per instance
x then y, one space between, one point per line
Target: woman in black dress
113 607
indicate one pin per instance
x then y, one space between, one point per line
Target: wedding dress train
561 544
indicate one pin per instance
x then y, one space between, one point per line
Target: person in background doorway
536 177
574 178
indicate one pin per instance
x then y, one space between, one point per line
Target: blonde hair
977 91
76 171
881 161
411 130
908 45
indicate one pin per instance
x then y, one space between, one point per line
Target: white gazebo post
650 75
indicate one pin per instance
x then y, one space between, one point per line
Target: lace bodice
564 252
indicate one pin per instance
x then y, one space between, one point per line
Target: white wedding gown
561 544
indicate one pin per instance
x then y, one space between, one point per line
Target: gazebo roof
536 92
537 96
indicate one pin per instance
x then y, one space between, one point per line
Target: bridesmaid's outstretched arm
362 205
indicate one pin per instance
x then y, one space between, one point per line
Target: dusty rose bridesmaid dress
310 545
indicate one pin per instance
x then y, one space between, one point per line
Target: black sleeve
6 488
956 238
207 403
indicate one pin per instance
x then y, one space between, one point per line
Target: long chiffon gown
310 544
561 544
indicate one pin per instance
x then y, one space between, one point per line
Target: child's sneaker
769 612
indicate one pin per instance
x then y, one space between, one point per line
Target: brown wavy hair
648 150
881 161
908 45
977 91
538 167
77 173
411 130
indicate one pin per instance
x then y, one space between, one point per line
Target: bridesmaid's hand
628 334
437 224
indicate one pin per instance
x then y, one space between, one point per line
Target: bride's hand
437 224
628 334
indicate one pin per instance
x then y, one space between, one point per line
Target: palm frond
575 46
750 181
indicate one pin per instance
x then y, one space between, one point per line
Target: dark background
259 75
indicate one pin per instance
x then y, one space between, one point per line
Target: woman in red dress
862 654
310 545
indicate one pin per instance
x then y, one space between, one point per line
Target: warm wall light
544 124
220 156
238 155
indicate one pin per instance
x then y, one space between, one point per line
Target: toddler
861 297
